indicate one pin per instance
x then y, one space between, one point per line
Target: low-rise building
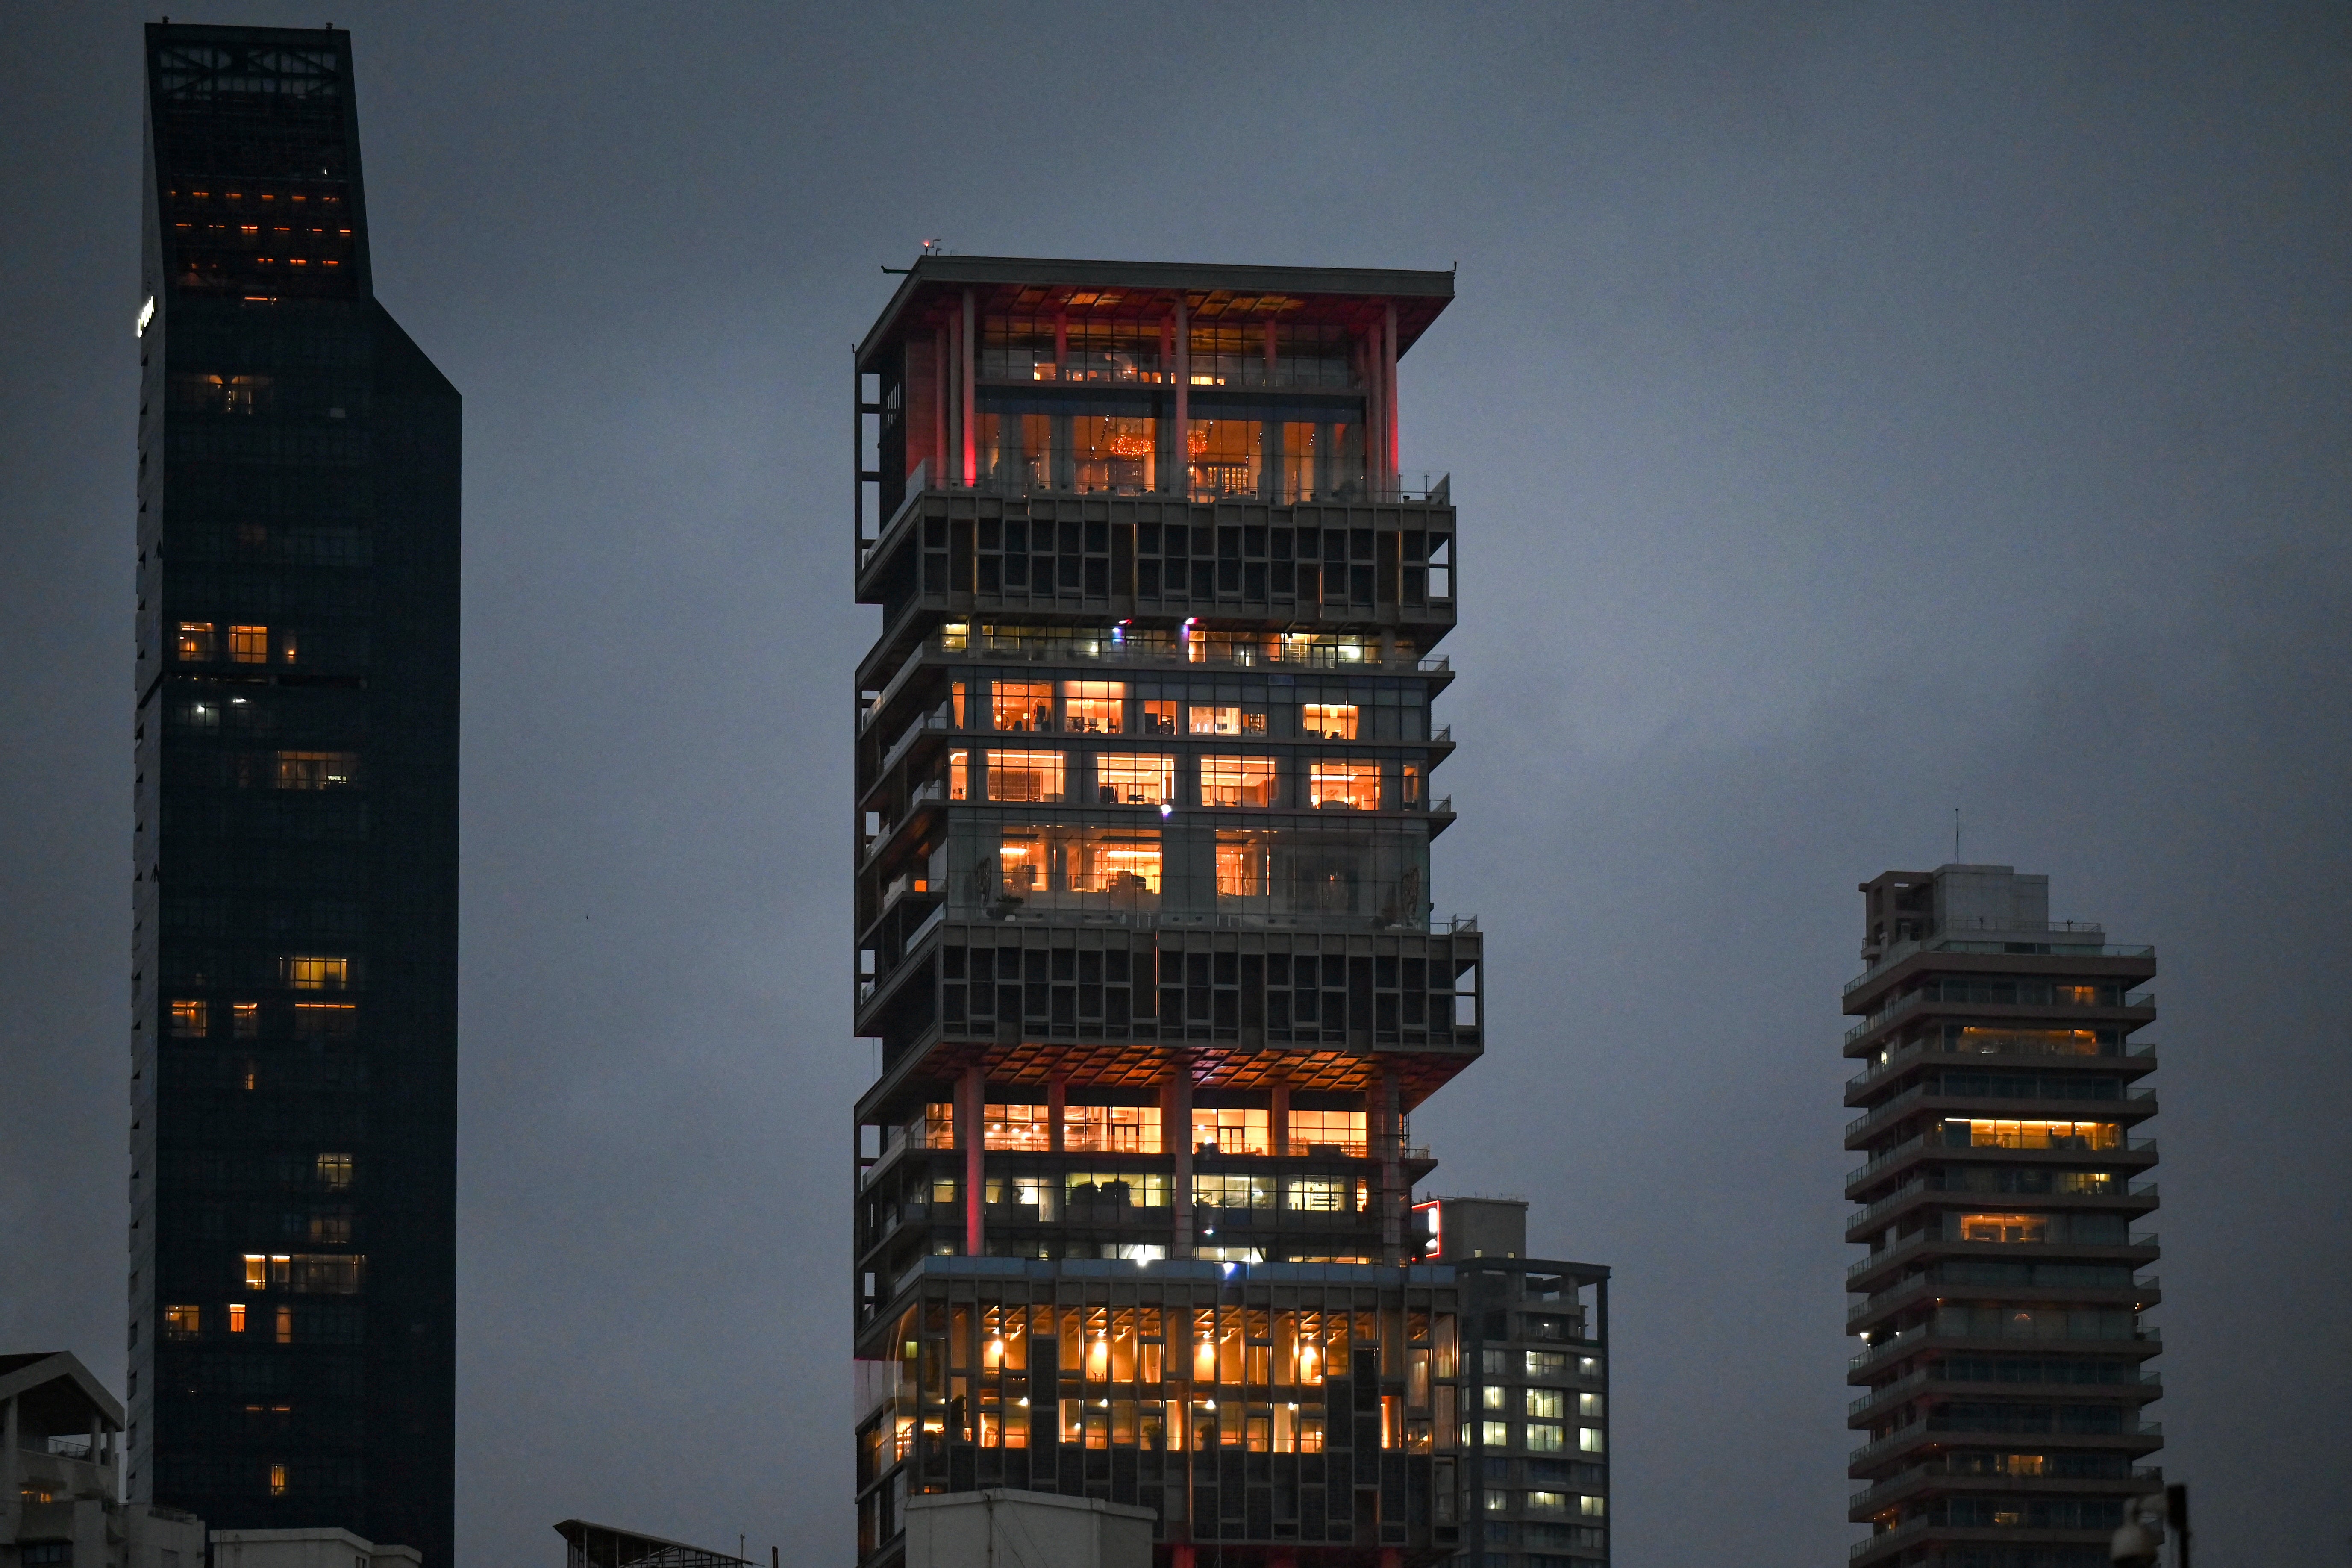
61 1476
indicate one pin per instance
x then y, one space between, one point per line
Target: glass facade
292 1244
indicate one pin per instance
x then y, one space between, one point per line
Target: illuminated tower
294 1044
2002 1367
1144 760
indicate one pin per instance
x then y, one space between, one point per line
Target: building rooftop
1015 285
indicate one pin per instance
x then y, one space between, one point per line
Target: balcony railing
1904 1056
1932 992
2016 936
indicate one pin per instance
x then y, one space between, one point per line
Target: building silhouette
2003 1367
294 1044
1144 805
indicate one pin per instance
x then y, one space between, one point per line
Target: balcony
2135 1194
2139 1101
2147 1435
1919 1050
2078 939
1911 1001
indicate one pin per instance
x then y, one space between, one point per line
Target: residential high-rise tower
294 1037
2003 1366
1144 767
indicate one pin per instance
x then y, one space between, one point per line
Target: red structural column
1389 393
971 1120
970 414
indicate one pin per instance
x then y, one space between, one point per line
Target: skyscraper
294 1044
1144 806
2003 1367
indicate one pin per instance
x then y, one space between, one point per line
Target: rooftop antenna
1955 836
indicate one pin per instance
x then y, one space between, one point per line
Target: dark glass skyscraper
294 1044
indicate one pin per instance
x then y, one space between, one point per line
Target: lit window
1592 1507
1132 779
248 644
1094 707
286 1325
1588 1438
1327 721
1589 1405
1353 786
959 775
1410 791
1141 1189
1043 865
1547 1502
1327 1132
1111 1129
2004 1228
307 973
1547 1403
1237 781
183 1322
189 1019
1546 1363
1158 718
2006 1134
1546 1438
943 1189
245 1020
1498 1501
194 642
1494 1396
1243 865
334 1171
1588 1366
278 1480
1229 1192
1024 707
938 1124
236 1316
1027 1127
1311 1194
1234 1130
1208 720
1495 1434
316 770
257 1271
1024 775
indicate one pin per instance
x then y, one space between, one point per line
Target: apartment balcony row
2139 1388
1123 646
2046 1098
2053 1147
1920 1246
1912 1534
2109 1195
1983 934
2128 1436
2073 950
2055 1284
1999 1002
1385 568
1940 1477
2049 1050
2050 1332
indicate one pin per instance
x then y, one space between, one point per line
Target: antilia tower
295 963
2003 1366
1143 820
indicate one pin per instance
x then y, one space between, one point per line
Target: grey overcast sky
1856 413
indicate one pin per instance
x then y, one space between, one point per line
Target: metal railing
1904 1056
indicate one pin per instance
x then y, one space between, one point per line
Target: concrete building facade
2003 1364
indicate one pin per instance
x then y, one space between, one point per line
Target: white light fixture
146 315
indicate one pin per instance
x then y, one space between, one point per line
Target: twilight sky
1856 413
